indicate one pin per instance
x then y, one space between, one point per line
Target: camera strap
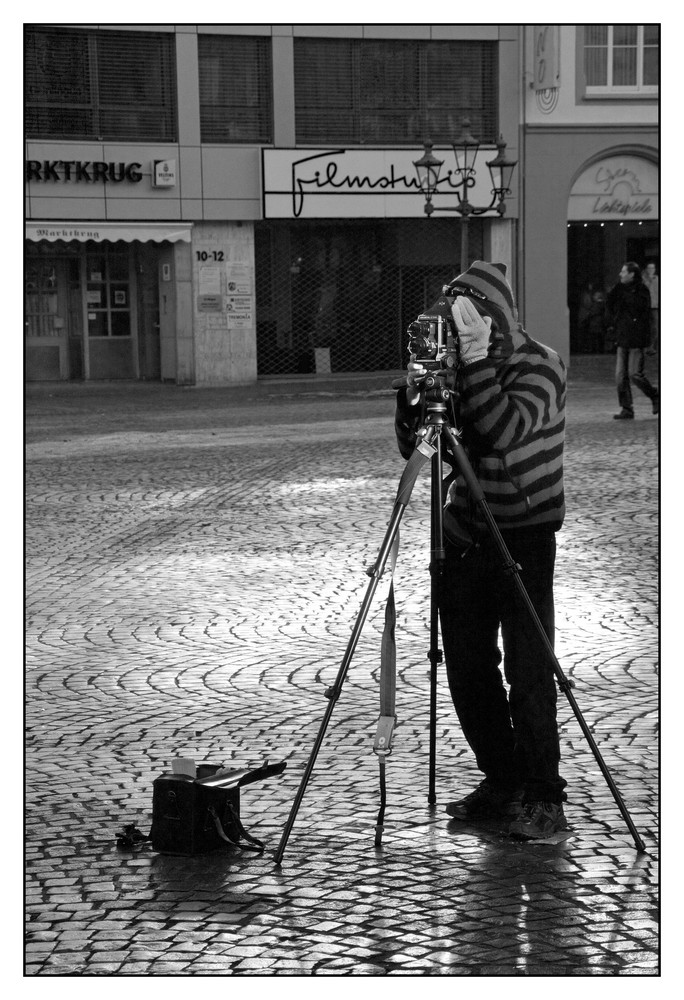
382 746
422 453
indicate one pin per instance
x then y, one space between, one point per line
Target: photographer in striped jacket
511 414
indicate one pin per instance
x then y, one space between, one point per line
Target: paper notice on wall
239 279
239 311
210 281
239 304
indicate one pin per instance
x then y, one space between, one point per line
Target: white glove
473 330
415 373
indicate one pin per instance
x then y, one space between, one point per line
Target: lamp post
462 179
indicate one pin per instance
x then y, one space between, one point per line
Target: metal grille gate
335 297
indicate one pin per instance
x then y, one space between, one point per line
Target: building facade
214 204
590 184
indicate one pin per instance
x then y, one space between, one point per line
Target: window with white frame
621 58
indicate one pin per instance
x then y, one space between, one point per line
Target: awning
155 232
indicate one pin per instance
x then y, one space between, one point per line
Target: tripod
436 430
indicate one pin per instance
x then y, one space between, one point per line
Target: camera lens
422 346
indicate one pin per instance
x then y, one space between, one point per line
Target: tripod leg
564 684
436 570
422 454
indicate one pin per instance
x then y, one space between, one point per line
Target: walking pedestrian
629 322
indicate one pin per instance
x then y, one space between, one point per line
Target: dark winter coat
629 314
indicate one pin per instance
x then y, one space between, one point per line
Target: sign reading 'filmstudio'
616 188
355 183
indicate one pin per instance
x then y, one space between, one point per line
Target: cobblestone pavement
195 562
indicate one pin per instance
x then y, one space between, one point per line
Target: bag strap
252 843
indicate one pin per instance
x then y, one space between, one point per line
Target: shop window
621 59
236 102
107 294
338 297
41 298
106 85
359 91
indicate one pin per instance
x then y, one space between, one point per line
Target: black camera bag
202 814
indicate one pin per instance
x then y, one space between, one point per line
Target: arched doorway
612 217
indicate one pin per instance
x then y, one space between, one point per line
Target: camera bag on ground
198 813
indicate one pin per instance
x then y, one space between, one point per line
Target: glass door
46 334
110 313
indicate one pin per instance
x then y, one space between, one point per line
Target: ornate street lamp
428 168
462 179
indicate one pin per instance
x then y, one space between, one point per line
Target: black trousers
630 368
513 733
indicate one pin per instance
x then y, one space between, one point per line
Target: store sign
617 188
155 232
164 173
88 171
359 183
209 303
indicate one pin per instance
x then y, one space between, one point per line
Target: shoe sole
519 835
522 834
548 838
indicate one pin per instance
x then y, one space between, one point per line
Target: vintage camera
433 338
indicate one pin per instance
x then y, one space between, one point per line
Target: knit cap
490 281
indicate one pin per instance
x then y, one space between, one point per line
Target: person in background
652 282
628 310
596 319
591 317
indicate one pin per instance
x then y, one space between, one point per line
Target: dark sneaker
486 802
624 415
656 404
538 820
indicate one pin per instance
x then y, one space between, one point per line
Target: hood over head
491 294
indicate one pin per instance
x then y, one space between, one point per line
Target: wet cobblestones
194 568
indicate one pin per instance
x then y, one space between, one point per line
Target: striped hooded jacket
511 411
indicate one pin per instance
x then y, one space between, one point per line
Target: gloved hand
473 330
416 371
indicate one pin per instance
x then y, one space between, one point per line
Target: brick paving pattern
195 562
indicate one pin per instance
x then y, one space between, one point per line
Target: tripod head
437 388
432 382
